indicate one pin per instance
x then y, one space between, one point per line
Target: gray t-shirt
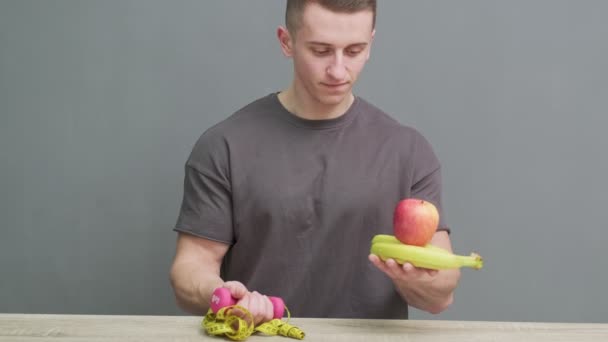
299 201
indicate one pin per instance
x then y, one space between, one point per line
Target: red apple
415 221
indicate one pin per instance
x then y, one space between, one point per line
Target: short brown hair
295 8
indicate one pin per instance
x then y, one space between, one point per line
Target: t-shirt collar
318 123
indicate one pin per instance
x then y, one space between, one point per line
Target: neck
300 104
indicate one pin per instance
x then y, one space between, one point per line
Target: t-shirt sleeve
427 180
206 209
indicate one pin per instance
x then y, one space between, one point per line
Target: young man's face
329 51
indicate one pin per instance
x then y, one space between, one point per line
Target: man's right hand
257 304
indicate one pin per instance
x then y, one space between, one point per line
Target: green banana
429 256
385 238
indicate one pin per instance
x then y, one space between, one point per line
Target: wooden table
73 328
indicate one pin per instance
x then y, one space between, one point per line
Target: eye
354 51
321 52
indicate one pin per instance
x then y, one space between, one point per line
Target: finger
389 266
396 271
258 308
376 261
254 307
237 289
269 311
245 302
408 268
431 272
412 270
263 307
393 269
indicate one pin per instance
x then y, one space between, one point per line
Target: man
284 196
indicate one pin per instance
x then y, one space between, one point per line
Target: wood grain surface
42 328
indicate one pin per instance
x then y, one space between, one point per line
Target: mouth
335 86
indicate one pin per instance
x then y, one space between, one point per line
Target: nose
337 70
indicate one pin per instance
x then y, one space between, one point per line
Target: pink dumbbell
221 298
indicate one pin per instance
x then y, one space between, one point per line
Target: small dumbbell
221 298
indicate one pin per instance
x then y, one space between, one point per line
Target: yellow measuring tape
224 322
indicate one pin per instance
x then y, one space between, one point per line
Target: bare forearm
432 296
193 286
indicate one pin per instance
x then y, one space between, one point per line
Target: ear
369 48
285 41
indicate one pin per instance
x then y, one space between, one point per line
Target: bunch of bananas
429 256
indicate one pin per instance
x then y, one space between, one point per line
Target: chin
332 99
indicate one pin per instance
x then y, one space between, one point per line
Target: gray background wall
101 102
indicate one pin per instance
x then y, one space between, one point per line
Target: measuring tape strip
278 327
226 323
